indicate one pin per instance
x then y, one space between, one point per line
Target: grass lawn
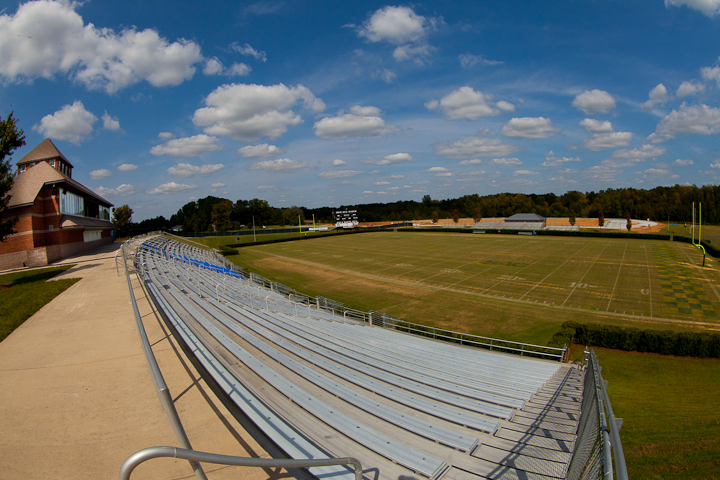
24 293
670 407
215 242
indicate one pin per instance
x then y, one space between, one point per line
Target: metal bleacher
319 384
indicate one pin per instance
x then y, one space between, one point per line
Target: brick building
57 216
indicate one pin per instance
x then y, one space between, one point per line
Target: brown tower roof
44 151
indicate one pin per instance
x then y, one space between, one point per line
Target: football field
454 280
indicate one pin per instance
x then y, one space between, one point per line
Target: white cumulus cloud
389 159
168 188
594 101
127 167
283 165
464 103
248 112
505 162
400 26
657 96
605 141
361 122
707 7
123 190
683 162
530 127
474 147
263 150
474 161
339 174
46 38
596 126
111 123
552 161
468 61
524 173
187 170
246 49
72 123
688 120
98 174
689 88
187 147
396 25
646 151
338 163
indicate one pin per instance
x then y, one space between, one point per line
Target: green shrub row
665 342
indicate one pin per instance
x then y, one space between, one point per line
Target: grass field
24 293
215 242
510 286
521 288
670 407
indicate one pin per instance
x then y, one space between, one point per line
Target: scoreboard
346 218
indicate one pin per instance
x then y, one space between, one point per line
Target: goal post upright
699 230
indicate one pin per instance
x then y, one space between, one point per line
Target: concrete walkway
77 398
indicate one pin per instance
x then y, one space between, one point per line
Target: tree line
672 203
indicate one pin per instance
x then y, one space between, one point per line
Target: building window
92 235
104 213
71 204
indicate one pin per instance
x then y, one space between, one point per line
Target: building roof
525 217
27 185
46 150
69 221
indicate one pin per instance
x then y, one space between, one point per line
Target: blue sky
336 103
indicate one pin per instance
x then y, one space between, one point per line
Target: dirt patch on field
4 287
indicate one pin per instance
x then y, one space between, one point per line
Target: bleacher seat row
319 385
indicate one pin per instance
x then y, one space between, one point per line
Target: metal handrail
610 426
160 385
158 452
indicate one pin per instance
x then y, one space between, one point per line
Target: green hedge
665 342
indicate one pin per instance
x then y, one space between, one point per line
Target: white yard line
549 274
616 279
471 276
519 271
584 275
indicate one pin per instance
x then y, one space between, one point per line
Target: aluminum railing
173 452
160 385
598 433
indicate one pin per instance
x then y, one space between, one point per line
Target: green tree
122 218
629 222
11 138
456 215
477 214
220 217
572 219
435 216
601 217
